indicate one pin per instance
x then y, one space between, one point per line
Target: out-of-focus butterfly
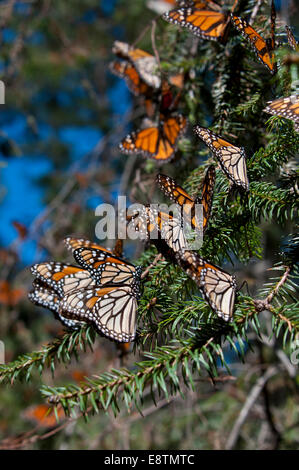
285 107
160 6
8 295
232 159
145 64
178 195
291 39
158 140
263 48
21 229
217 286
127 71
124 349
124 69
44 415
204 18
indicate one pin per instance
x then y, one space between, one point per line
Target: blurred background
63 118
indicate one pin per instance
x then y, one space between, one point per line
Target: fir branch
61 350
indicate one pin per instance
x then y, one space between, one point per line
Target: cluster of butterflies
163 124
104 289
162 128
207 20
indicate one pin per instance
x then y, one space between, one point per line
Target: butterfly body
161 229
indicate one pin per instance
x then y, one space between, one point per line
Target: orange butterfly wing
129 73
158 142
259 45
72 243
207 24
177 194
286 107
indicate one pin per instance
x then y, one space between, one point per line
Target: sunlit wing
112 310
159 142
146 64
232 159
286 107
217 286
62 278
105 268
204 19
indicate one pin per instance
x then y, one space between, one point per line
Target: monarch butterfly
145 63
232 159
180 197
8 295
72 243
161 229
262 48
204 18
57 284
217 286
128 72
62 278
291 39
285 107
44 415
112 310
105 268
158 142
43 296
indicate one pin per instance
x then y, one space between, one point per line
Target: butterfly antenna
241 286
